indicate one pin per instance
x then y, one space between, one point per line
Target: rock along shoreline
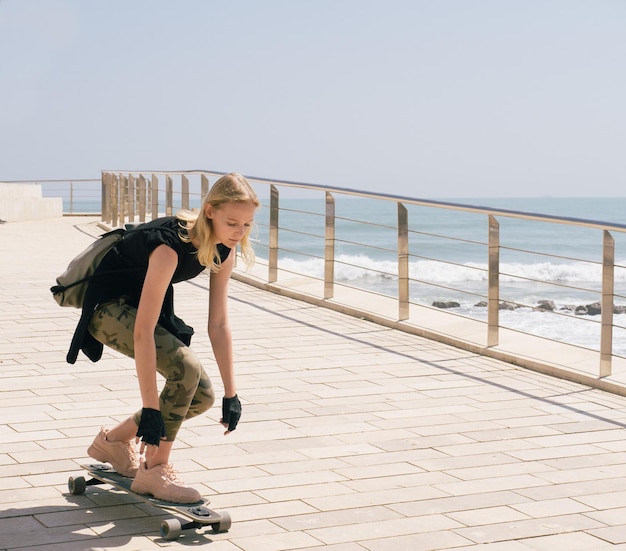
593 309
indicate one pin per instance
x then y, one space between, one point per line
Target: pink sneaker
121 455
161 482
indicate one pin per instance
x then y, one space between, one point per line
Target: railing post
204 187
403 262
131 198
154 191
272 275
141 198
123 200
329 247
72 197
108 191
169 195
104 198
184 191
608 284
493 308
115 198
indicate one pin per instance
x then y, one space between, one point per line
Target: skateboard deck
197 513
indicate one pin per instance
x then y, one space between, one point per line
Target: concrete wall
19 202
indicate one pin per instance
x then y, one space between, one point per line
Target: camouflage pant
187 391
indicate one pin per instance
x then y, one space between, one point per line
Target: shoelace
170 475
132 453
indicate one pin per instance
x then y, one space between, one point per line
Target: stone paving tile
306 492
380 497
520 529
339 547
499 546
354 436
441 539
458 504
364 515
609 516
578 541
487 515
589 473
507 469
612 534
493 484
553 507
609 493
276 542
383 528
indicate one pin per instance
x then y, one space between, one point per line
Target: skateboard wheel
224 524
170 529
77 485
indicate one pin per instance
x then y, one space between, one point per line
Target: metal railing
80 195
304 231
128 194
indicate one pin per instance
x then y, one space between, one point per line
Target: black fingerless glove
231 412
151 427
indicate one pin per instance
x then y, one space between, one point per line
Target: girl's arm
219 327
161 267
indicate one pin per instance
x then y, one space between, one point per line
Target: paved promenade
353 437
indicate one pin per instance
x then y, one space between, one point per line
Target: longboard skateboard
197 513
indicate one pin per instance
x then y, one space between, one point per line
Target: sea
560 263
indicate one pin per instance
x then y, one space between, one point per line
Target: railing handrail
583 222
597 224
478 209
42 181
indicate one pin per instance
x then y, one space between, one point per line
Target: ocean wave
355 267
441 279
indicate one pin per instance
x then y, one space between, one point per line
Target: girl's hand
151 428
150 452
231 412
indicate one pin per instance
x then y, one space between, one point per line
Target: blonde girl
132 311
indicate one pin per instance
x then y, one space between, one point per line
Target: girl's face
231 221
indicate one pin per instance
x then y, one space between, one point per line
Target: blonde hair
231 188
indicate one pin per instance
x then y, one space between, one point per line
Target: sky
422 98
